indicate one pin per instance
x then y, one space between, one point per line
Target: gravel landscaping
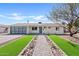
68 47
55 49
28 50
41 45
38 47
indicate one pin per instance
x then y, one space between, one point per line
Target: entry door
40 30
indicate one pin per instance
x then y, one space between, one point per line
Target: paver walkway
42 48
6 38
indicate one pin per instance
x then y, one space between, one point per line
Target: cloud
16 16
2 16
40 18
30 16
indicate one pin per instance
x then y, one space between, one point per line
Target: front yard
13 48
69 48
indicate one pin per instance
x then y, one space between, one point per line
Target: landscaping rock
55 50
29 50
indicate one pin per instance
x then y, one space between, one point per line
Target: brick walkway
6 38
42 48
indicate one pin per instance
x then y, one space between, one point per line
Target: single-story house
36 28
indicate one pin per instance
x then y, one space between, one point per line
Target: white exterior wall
33 31
28 29
52 30
61 30
47 30
8 30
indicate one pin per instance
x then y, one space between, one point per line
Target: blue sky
11 13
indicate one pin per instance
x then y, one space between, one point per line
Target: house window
44 27
34 28
57 28
49 27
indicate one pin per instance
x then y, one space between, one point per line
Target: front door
40 30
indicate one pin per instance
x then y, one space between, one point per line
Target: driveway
6 38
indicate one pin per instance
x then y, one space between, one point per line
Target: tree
69 13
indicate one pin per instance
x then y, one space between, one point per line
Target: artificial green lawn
15 47
69 48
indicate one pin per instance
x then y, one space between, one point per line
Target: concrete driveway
6 38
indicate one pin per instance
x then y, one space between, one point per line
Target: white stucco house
36 28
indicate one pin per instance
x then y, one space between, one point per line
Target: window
34 28
49 27
44 27
57 28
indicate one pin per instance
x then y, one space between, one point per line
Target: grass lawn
69 48
15 47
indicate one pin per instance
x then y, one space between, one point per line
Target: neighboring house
36 28
3 28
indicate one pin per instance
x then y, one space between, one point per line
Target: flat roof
37 24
